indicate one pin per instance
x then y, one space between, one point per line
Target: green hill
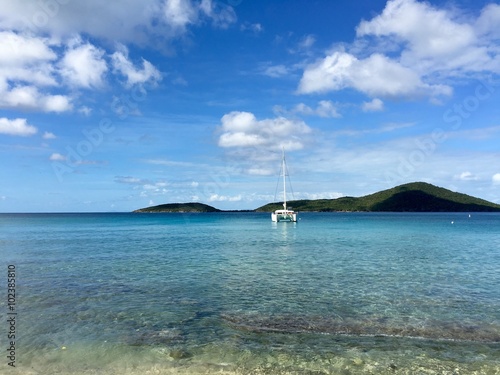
179 207
412 197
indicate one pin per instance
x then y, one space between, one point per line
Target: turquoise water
335 293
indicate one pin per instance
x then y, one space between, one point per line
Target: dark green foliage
179 207
412 197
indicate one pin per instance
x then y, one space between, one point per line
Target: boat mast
284 179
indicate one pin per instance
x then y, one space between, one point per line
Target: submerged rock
180 354
435 330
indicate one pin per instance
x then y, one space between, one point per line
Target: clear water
234 293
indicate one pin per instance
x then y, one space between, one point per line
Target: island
179 207
411 197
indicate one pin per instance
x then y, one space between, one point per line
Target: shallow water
335 293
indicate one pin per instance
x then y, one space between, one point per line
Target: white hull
285 214
282 215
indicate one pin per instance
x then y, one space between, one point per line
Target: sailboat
285 214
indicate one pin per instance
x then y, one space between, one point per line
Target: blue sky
121 105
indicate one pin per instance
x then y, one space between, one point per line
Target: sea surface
234 293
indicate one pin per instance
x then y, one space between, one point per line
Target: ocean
234 293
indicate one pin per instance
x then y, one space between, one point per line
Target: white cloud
373 105
83 65
447 44
152 190
242 129
180 13
405 19
307 42
49 135
331 73
28 97
55 103
129 180
221 14
26 58
45 48
86 111
320 195
27 68
488 21
426 44
256 28
276 71
224 198
496 178
260 171
124 21
57 157
325 108
376 75
17 127
466 176
122 64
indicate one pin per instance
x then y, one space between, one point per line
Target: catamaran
285 214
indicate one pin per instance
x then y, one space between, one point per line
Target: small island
411 197
179 207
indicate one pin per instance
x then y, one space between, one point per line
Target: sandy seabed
123 360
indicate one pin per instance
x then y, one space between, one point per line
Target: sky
115 106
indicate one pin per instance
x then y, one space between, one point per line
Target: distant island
179 207
412 197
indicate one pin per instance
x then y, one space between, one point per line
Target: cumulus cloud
420 56
404 19
488 21
373 106
127 21
242 129
123 65
179 13
27 72
17 127
496 178
83 65
26 58
49 48
376 75
30 98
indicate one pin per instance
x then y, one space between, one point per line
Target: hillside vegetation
179 207
412 197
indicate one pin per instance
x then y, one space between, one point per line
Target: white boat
285 214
